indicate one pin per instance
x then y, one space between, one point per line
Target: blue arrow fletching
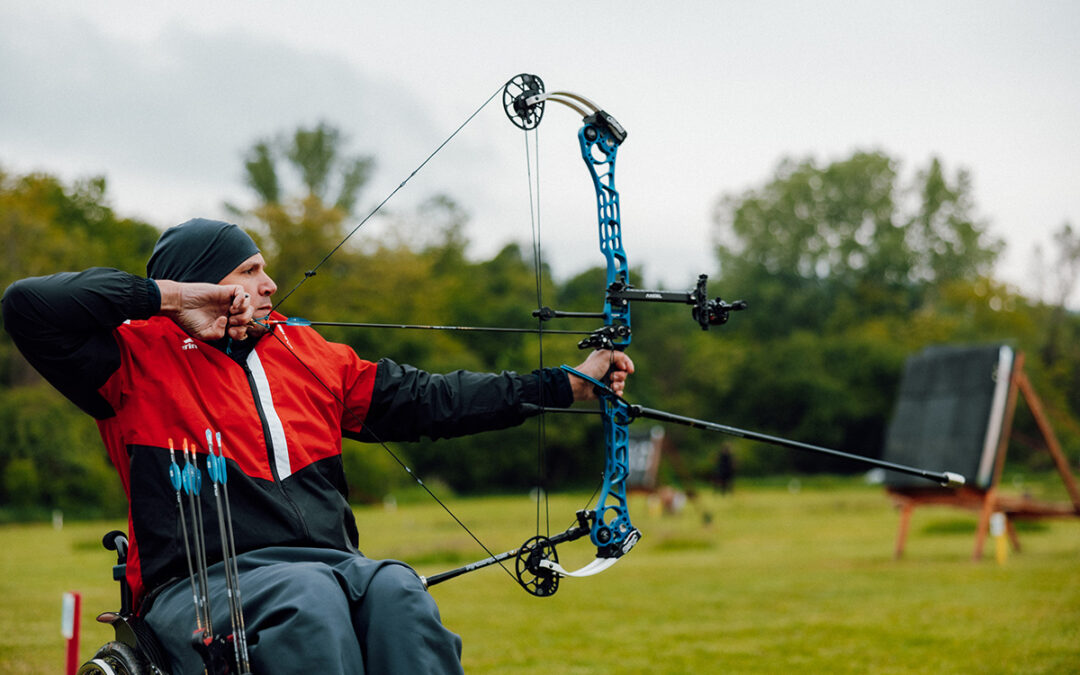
211 460
188 479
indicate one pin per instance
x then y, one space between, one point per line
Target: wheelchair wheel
117 658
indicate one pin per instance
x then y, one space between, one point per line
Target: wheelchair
136 650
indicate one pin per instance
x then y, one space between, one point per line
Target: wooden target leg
983 527
905 523
1010 529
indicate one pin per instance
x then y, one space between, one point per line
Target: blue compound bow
608 523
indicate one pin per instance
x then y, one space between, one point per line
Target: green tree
305 188
50 455
848 269
838 242
46 227
1061 276
947 242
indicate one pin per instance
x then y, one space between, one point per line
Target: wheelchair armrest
116 541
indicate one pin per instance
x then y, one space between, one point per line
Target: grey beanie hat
200 250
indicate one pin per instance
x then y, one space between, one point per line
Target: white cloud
163 98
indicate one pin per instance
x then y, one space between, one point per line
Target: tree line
849 267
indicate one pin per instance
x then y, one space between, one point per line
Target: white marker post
69 628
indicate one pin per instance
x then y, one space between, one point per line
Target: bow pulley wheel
516 95
534 578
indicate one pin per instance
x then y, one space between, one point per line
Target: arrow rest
606 337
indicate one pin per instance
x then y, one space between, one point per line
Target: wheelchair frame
136 650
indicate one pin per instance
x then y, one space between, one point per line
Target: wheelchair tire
117 658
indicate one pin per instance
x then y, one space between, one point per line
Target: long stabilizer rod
944 478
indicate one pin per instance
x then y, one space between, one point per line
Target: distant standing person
725 470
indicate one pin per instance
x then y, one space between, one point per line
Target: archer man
174 354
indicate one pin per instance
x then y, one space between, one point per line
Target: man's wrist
171 296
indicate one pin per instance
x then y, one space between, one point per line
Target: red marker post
69 628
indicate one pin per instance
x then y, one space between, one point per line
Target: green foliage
22 485
847 266
46 227
50 453
848 270
843 236
373 474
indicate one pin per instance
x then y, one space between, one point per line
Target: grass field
775 581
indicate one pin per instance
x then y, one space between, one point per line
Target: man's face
251 274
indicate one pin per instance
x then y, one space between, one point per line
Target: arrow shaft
407 326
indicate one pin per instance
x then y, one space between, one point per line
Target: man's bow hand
609 366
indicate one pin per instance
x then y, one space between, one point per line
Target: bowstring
543 514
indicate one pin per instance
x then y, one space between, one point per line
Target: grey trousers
316 611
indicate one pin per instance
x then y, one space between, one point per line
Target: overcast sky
163 98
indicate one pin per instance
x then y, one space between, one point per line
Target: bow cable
538 272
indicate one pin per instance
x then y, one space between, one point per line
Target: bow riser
599 150
612 528
612 532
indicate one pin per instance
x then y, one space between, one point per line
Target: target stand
955 411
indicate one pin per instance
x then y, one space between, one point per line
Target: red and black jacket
281 405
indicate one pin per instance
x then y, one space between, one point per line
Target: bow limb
597 566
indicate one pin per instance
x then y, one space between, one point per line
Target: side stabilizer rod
573 533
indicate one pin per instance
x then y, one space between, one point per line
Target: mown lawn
765 580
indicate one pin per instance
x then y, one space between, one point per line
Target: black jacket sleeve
63 325
408 403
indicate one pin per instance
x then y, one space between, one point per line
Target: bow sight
707 312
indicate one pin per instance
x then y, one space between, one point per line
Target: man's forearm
63 325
